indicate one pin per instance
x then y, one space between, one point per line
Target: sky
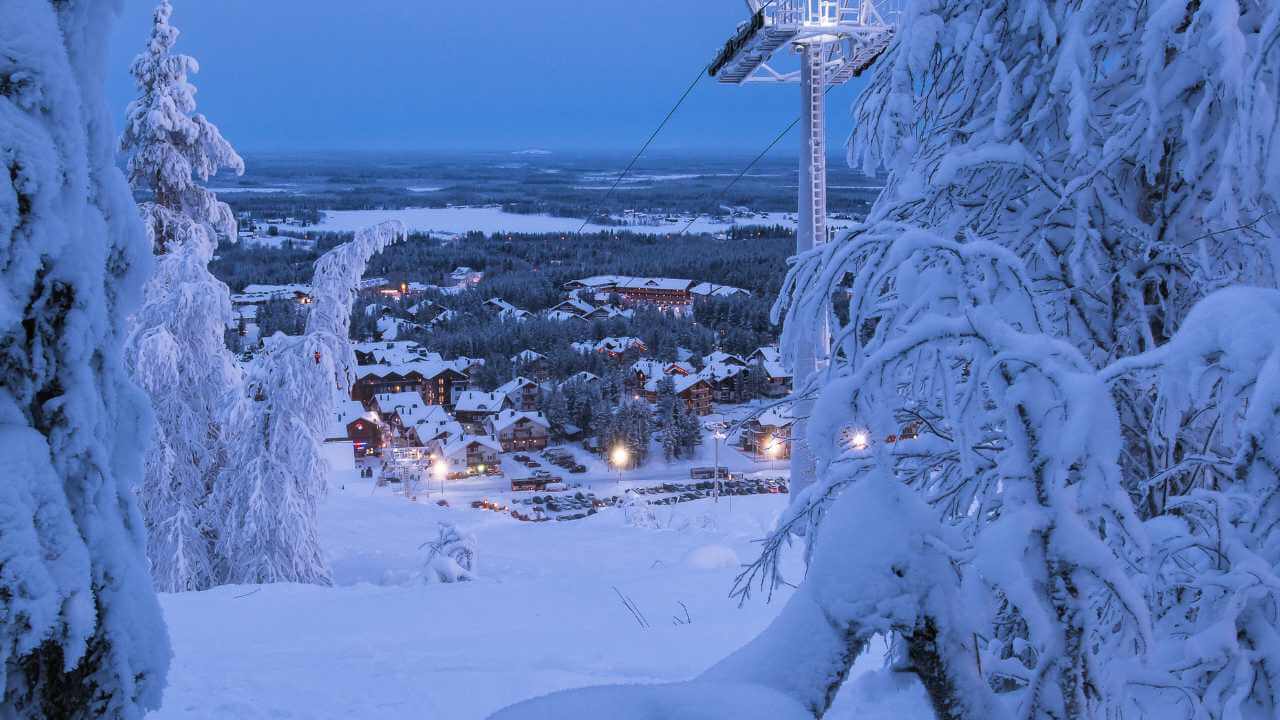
468 75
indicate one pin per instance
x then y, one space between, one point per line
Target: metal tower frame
837 40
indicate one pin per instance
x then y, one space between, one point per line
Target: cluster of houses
404 396
724 378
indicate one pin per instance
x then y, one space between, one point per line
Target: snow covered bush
451 557
81 634
637 512
176 351
269 495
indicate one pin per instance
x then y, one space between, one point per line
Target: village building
582 378
696 393
719 357
439 382
469 455
476 407
729 382
520 431
776 378
392 353
768 436
434 426
525 395
616 347
465 276
663 293
531 362
505 310
711 290
357 425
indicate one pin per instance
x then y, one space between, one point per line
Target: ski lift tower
836 40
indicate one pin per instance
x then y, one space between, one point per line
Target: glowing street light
441 469
859 440
719 434
619 457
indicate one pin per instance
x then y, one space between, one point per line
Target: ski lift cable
652 136
747 169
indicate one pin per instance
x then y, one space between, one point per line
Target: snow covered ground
495 220
545 614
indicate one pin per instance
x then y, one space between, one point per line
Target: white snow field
494 220
544 615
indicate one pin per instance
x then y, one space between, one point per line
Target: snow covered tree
81 634
269 495
170 146
177 352
1217 546
451 557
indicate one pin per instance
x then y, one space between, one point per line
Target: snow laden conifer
177 351
271 488
81 635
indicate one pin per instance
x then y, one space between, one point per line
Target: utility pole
836 40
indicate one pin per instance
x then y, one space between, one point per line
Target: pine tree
81 634
176 351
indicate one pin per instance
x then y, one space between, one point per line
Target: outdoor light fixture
859 440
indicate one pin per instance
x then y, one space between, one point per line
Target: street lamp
719 435
619 457
859 440
441 469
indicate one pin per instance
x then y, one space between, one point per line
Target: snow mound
683 701
712 557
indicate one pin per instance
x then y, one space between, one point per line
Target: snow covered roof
768 353
407 401
719 356
649 367
583 347
347 412
396 352
527 356
458 446
776 370
706 289
575 305
475 401
640 283
777 416
506 310
507 418
427 368
684 382
279 290
436 427
582 377
619 344
599 281
561 316
518 383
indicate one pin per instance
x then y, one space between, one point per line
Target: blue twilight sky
467 74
